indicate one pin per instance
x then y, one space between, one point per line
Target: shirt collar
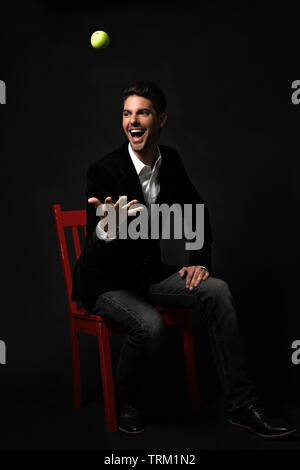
139 165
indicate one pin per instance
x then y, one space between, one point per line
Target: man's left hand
194 275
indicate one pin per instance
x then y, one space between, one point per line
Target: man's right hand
117 207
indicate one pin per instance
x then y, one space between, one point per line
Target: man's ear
162 119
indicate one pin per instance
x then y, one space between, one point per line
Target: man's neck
147 156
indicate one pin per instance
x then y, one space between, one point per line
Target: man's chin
137 147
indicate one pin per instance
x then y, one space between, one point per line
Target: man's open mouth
137 134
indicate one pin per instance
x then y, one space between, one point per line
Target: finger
205 275
191 270
182 272
108 200
129 204
95 201
135 210
199 277
196 277
119 200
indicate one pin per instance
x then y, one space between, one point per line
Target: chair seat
85 315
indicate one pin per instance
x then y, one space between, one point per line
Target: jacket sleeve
189 195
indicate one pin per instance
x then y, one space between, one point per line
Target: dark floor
41 424
36 407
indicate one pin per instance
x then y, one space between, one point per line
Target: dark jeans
211 299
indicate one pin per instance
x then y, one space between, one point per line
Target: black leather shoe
251 417
130 419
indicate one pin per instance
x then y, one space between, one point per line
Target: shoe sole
241 427
140 431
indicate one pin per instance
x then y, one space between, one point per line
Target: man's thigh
128 308
173 292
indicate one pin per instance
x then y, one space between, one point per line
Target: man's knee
218 300
150 327
217 288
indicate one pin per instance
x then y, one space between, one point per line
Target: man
123 278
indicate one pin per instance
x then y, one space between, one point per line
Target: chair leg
76 368
107 379
190 364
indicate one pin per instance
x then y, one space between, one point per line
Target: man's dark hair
150 91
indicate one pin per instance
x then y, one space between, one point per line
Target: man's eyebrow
139 110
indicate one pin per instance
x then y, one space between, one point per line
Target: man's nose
134 120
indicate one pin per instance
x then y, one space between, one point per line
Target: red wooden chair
82 322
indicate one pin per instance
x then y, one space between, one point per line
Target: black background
227 73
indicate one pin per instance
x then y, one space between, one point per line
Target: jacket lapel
165 179
130 180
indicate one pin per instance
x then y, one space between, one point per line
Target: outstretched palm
121 210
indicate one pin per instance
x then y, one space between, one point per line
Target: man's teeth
137 132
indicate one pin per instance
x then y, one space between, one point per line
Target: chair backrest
73 220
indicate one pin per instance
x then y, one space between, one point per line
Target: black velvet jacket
127 263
